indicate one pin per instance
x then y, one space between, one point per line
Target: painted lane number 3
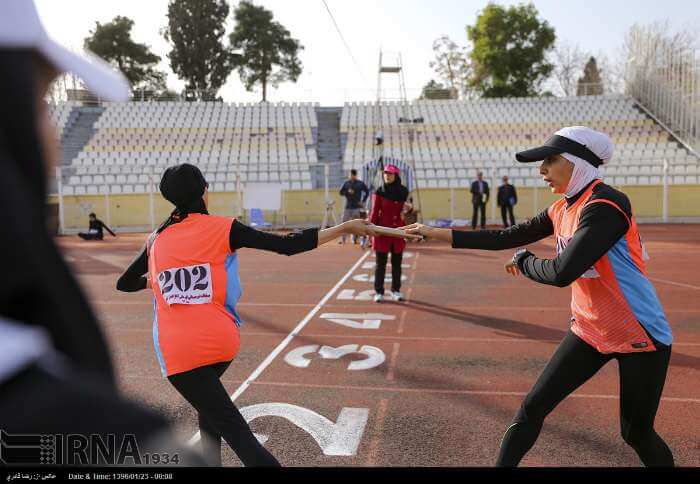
186 285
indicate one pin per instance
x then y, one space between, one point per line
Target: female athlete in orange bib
616 313
191 263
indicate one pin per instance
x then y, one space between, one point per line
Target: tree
112 41
266 53
509 51
195 29
568 64
611 66
452 64
437 90
590 84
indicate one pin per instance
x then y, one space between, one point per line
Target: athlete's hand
512 268
148 283
512 265
420 229
357 227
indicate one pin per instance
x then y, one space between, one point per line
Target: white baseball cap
21 28
586 143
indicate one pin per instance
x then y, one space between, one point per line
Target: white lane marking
256 373
373 265
349 295
339 438
370 278
358 321
440 391
673 283
374 356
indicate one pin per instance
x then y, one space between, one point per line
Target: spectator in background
507 198
389 209
95 231
480 197
355 192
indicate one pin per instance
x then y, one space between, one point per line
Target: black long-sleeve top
600 227
98 225
240 236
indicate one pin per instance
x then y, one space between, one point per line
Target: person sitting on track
95 232
191 262
616 312
389 206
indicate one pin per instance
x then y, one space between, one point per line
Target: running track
330 378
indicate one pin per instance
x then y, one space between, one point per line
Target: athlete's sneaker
397 296
378 297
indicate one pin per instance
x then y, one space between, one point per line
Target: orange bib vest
196 287
614 305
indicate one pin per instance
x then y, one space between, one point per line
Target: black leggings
219 417
380 271
88 236
642 377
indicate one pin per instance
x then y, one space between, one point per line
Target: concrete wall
307 206
133 211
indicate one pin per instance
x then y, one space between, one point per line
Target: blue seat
257 218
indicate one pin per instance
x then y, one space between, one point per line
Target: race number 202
186 285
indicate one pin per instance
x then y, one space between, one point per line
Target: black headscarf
183 186
36 286
394 191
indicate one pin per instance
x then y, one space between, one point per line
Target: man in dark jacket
507 198
480 197
355 193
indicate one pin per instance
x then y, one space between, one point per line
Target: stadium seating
257 142
453 139
447 140
60 115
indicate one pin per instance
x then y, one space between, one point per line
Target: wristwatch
517 254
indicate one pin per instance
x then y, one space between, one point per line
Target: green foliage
509 51
195 29
112 41
266 53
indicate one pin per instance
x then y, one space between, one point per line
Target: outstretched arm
599 229
134 278
300 241
535 229
107 229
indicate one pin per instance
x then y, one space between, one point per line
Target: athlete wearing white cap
21 28
616 313
56 373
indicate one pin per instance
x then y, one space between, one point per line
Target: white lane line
447 339
440 391
256 373
149 304
665 281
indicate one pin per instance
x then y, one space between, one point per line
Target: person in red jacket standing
388 208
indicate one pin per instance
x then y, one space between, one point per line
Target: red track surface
459 355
